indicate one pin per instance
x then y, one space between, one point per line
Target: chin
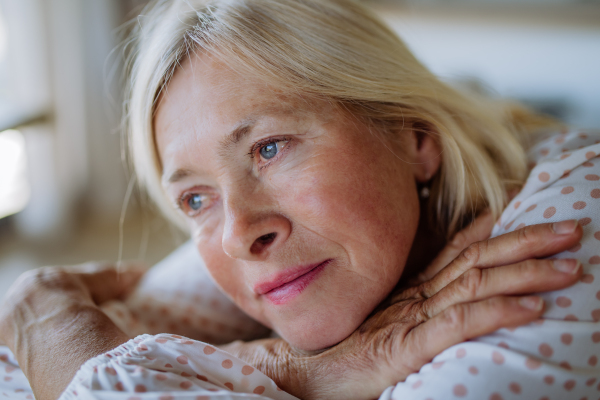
319 332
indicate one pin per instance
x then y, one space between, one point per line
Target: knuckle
471 282
456 316
526 236
472 253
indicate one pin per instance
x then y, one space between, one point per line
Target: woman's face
303 216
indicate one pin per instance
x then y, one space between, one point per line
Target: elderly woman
318 168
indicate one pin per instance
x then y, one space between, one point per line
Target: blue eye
269 151
195 202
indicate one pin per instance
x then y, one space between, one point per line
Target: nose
252 229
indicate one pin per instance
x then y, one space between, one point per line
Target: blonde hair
336 50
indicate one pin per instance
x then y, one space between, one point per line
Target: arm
389 346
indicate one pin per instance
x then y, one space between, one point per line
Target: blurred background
66 195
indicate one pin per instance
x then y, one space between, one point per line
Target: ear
426 152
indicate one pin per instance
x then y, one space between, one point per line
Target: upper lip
281 278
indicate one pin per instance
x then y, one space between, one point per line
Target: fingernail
533 303
568 266
565 227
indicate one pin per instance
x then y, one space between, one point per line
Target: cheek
365 204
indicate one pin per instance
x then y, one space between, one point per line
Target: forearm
51 349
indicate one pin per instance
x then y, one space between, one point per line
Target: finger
530 276
467 321
480 229
534 241
105 281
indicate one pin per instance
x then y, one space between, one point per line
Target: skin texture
335 191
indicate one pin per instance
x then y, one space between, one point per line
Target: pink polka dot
517 204
202 398
247 370
507 227
587 278
139 389
437 365
571 317
531 208
515 388
182 360
596 315
166 397
417 384
594 260
566 338
208 350
549 212
119 387
161 377
544 152
593 360
569 385
575 248
533 363
520 226
588 164
504 345
579 205
589 155
185 374
584 221
185 385
563 302
549 379
228 385
566 365
598 295
592 177
473 370
459 390
595 193
176 337
596 337
583 136
567 190
566 155
496 396
227 364
161 340
258 390
497 358
590 381
110 371
545 350
168 366
460 353
544 177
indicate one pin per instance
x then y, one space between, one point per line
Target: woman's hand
50 320
471 289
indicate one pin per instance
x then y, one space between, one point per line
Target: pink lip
289 284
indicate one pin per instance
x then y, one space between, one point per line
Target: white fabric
554 358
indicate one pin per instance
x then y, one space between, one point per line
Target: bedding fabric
553 358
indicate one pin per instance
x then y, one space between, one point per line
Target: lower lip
290 290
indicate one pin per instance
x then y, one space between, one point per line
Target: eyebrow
241 131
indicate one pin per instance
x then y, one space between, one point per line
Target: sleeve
555 357
178 296
170 367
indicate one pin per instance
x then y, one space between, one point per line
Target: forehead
206 99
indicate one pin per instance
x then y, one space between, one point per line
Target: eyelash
261 143
182 202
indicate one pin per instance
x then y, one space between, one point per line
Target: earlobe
427 154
